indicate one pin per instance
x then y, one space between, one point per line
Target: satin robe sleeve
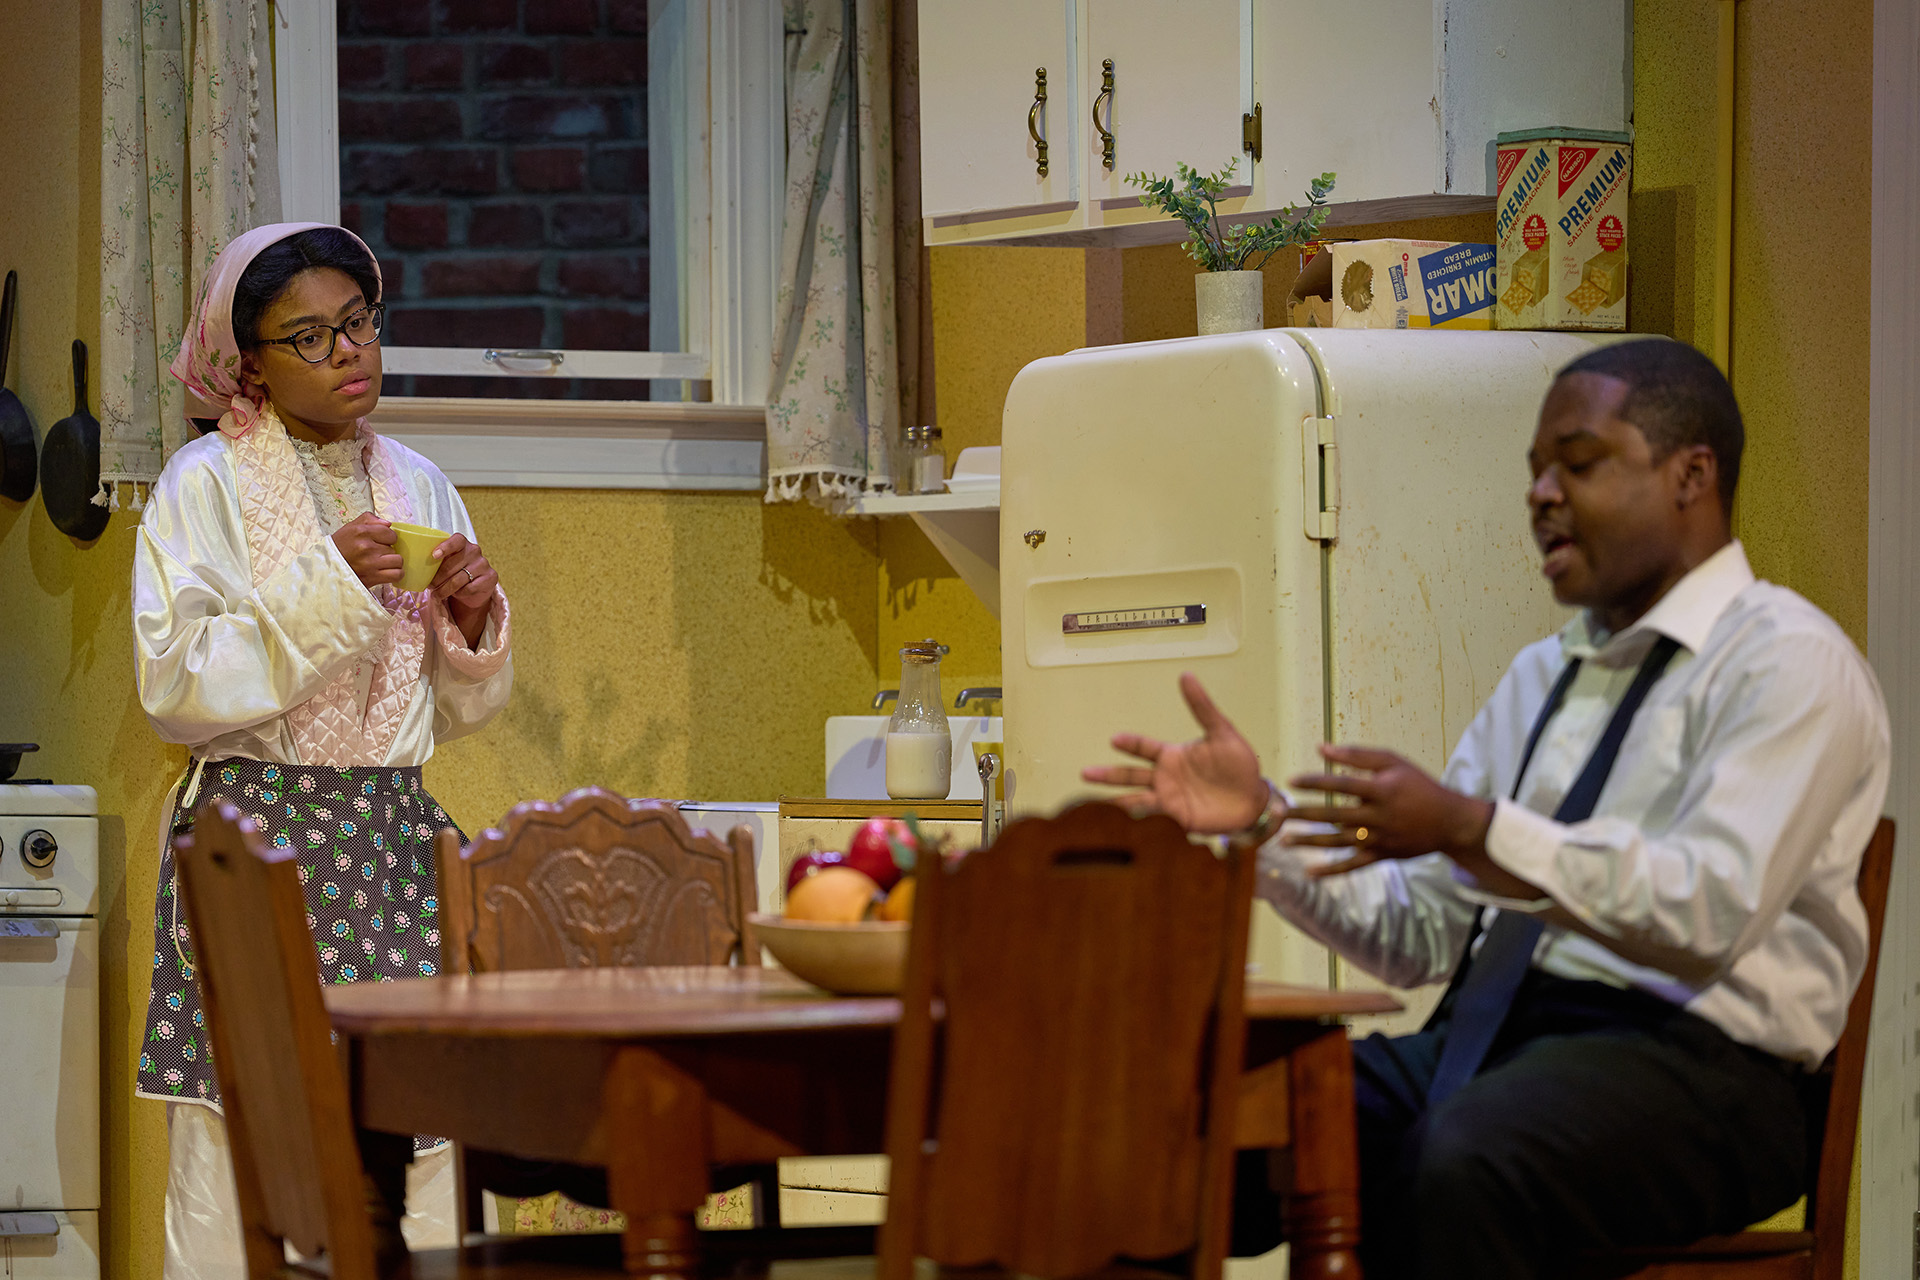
470 685
213 652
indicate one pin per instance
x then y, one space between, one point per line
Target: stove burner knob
37 849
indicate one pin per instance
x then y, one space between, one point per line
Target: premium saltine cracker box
1561 223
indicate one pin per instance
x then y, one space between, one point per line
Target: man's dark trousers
1602 1118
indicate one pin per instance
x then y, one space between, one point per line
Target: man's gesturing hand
1398 811
1210 786
367 544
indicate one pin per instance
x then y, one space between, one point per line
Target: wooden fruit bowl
865 959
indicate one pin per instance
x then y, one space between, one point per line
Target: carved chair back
1070 1046
594 880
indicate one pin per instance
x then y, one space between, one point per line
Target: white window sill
583 444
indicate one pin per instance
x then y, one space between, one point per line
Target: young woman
271 641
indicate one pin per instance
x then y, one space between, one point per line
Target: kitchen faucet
984 693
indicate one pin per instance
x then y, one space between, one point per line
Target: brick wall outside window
493 153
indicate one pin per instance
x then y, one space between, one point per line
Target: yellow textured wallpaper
66 655
1671 208
994 311
665 644
1803 161
1803 173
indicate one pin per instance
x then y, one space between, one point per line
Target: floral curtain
189 162
833 407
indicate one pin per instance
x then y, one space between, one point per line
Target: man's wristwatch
1261 829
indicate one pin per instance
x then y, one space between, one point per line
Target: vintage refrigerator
1328 526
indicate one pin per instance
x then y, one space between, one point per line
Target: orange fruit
832 895
899 903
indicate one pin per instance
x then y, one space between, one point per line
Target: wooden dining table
657 1074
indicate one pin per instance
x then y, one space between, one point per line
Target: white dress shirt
1720 862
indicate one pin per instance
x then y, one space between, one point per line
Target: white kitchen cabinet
1404 97
1400 98
1346 86
1177 91
977 96
1169 102
1520 64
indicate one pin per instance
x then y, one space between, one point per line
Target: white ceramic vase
1229 301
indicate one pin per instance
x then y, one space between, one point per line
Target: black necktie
1486 991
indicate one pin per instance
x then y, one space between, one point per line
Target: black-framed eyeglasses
315 343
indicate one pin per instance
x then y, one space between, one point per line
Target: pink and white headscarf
209 359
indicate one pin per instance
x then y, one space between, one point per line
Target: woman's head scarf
209 359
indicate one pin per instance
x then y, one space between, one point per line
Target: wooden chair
1067 1063
1819 1253
594 880
297 1166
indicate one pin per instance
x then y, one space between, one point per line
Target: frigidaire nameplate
1172 615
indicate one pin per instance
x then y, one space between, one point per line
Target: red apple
872 852
808 863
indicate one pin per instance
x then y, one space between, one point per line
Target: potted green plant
1227 293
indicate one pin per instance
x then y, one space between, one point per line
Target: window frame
734 142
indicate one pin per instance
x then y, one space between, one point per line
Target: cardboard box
1395 284
1561 221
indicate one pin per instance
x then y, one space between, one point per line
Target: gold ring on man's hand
1360 835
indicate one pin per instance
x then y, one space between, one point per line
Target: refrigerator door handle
1319 480
29 1224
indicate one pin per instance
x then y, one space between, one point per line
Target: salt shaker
906 458
930 464
919 741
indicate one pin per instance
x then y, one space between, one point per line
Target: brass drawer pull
1106 96
1034 118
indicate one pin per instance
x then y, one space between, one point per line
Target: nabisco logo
1573 161
1509 160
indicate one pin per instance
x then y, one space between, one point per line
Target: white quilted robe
248 622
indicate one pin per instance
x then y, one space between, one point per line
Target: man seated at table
1646 842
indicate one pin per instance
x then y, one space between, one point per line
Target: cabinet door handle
1034 118
1106 96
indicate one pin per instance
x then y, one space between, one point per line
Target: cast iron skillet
16 429
70 464
10 753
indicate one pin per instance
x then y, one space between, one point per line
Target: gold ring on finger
1360 835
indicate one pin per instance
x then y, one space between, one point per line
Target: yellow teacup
415 545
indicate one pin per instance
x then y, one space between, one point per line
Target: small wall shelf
965 527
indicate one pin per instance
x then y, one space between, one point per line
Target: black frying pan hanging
70 464
16 429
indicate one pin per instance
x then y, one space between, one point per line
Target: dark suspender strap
1586 788
1555 696
1485 996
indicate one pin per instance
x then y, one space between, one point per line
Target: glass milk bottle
919 743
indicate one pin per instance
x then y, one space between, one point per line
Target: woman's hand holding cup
368 546
466 582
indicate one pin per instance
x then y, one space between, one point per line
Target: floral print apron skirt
364 836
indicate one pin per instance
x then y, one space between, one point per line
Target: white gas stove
49 1032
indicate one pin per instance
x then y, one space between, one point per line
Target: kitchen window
576 207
